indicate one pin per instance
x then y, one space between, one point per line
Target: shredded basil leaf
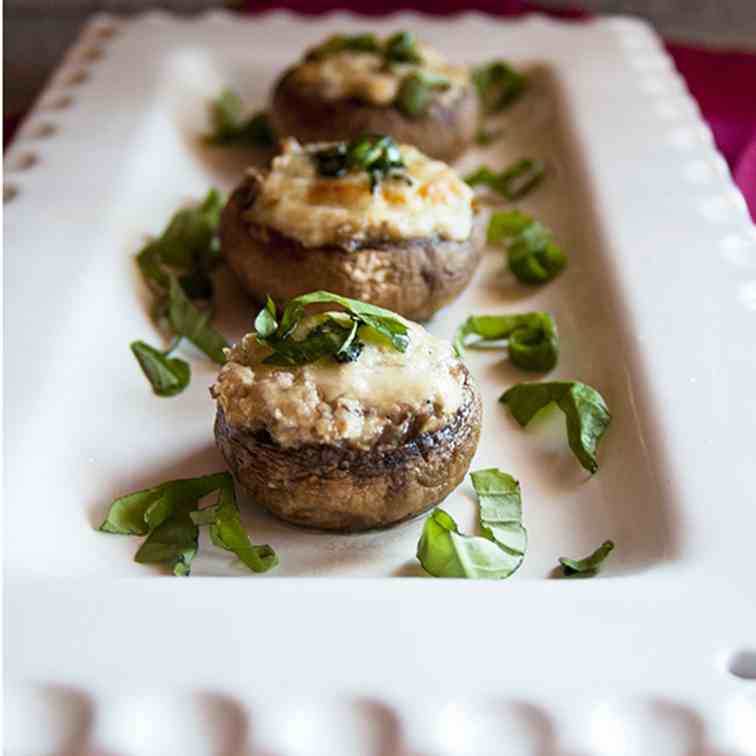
533 256
402 48
227 532
265 322
332 337
168 376
132 514
584 408
498 85
416 91
193 324
398 48
514 182
188 244
176 267
376 154
174 540
230 126
588 566
531 337
167 514
445 552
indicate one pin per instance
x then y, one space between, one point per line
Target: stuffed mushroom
368 220
345 420
354 84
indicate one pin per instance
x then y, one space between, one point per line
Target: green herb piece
134 513
336 337
445 552
190 240
498 85
531 337
193 324
585 411
330 338
174 541
227 532
265 322
402 48
417 90
588 566
229 125
376 154
384 322
188 244
365 43
398 48
168 376
514 182
167 514
176 267
533 256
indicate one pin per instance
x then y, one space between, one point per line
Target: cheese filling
365 76
384 397
427 200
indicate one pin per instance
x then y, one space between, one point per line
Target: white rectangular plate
657 309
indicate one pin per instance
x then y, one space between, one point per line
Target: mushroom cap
444 131
337 487
413 277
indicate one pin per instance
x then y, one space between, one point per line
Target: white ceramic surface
657 309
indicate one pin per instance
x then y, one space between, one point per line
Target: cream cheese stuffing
428 199
384 397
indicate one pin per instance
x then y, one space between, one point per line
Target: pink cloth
722 81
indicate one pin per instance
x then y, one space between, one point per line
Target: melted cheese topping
315 210
365 76
385 396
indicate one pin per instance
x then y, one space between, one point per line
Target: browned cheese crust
443 132
346 489
414 278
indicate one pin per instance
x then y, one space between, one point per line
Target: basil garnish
176 268
192 323
402 48
188 245
227 532
585 411
168 376
445 552
168 515
498 85
588 566
531 338
398 48
416 91
514 182
376 154
533 256
336 337
230 127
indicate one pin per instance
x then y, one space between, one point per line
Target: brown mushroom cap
347 489
414 277
443 132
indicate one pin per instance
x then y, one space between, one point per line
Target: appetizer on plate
352 84
368 220
349 419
